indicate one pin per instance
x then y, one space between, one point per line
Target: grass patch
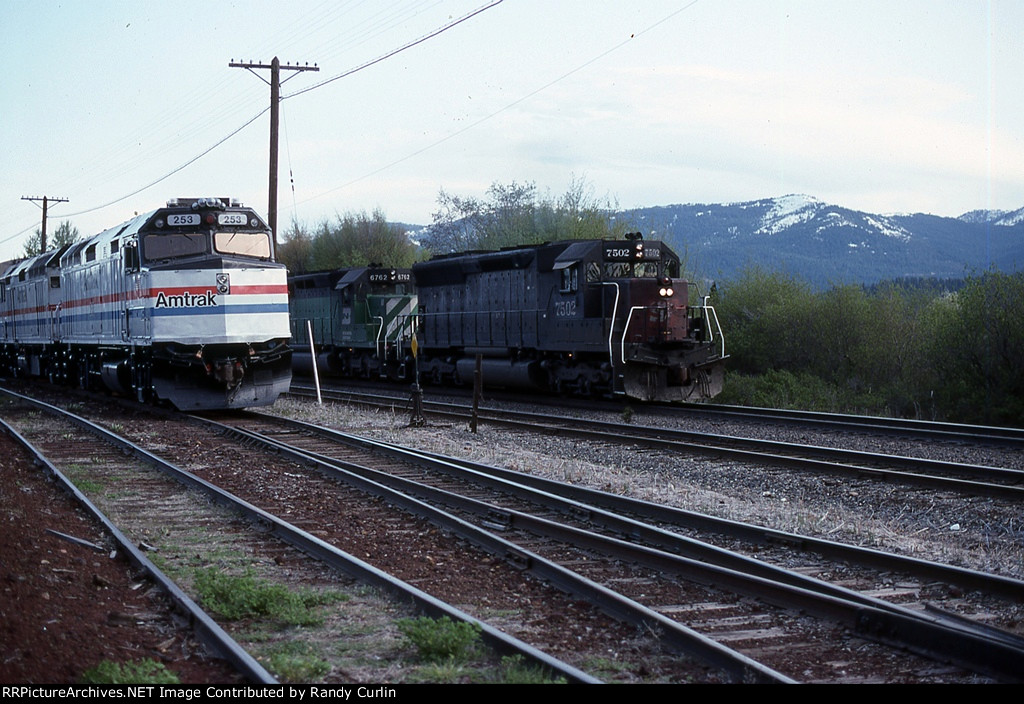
446 672
236 597
294 661
79 475
439 640
514 670
134 672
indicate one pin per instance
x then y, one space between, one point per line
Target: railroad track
683 413
960 477
155 503
631 574
898 427
68 451
763 633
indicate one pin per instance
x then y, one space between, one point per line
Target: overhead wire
393 52
191 161
179 137
379 59
508 106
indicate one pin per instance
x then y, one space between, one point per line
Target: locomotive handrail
406 322
625 330
611 326
709 308
381 332
721 334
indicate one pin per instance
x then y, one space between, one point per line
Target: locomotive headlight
665 292
159 223
639 250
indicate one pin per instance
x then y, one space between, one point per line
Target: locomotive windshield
631 270
174 245
634 259
245 244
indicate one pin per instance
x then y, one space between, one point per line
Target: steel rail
930 430
738 666
206 629
926 634
688 438
754 450
318 549
668 515
957 432
970 579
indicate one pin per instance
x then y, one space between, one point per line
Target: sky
882 106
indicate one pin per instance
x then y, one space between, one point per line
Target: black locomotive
587 317
583 317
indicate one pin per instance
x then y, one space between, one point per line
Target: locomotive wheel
585 388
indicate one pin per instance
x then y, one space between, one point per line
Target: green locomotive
361 321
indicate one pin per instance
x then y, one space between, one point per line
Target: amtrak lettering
186 300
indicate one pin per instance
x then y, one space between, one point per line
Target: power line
506 107
191 161
399 50
422 39
171 173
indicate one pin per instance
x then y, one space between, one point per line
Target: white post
312 352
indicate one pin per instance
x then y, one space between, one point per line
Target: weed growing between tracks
441 639
245 596
146 671
453 652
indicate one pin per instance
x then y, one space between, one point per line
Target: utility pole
275 100
46 201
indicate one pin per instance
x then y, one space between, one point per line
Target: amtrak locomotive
184 304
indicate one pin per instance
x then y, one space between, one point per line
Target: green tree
976 351
768 322
296 249
514 214
351 240
65 234
891 361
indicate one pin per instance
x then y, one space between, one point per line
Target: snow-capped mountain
999 218
828 244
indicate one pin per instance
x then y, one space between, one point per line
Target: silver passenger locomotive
184 304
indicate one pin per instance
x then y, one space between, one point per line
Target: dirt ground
65 607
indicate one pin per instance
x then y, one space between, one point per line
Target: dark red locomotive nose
657 311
